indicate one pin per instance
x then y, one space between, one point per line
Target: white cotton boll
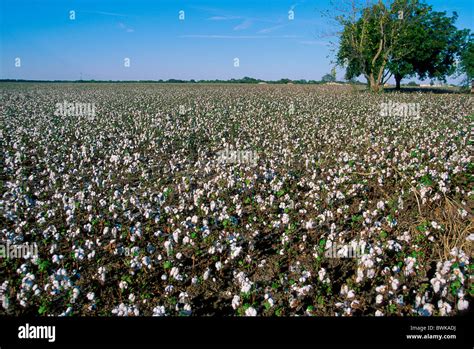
174 272
462 304
355 304
429 308
395 283
379 299
176 235
360 275
322 274
123 285
167 245
235 252
235 302
146 261
367 261
251 312
218 265
159 311
379 313
409 265
322 218
350 294
90 296
437 282
446 266
246 286
344 290
183 296
187 308
444 308
101 272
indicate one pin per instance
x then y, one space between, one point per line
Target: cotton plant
136 203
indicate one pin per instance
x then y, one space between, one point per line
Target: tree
328 78
432 44
402 38
466 62
370 36
412 36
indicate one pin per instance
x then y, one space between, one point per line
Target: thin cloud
313 42
238 36
245 18
106 13
126 28
223 18
271 29
296 4
244 25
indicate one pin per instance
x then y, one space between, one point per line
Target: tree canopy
402 38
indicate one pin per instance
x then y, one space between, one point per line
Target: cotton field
235 200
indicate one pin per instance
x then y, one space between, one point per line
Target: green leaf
42 309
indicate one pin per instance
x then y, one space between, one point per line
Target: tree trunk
398 79
374 85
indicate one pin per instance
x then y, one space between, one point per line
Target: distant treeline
245 80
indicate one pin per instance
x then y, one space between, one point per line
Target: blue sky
161 46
